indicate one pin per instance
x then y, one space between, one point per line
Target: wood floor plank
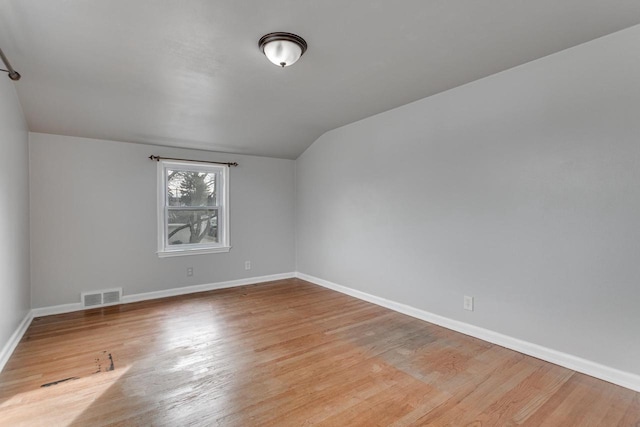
286 353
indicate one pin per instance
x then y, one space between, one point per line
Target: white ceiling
189 73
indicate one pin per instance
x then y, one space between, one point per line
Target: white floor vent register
101 298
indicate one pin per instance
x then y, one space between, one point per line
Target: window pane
192 226
191 188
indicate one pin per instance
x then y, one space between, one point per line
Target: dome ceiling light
283 49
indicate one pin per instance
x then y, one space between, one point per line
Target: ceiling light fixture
283 49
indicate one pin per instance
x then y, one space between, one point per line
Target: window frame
222 196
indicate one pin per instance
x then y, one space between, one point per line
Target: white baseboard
203 288
57 309
126 299
606 373
15 338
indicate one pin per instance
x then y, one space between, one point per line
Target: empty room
294 213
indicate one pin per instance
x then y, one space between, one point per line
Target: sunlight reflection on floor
70 399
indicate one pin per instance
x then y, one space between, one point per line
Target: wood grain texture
285 353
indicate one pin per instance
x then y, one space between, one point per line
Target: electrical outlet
247 265
468 303
190 271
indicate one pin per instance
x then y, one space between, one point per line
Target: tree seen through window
192 212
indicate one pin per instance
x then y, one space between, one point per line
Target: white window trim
223 213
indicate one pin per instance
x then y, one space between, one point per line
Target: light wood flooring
285 353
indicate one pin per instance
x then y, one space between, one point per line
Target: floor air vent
101 298
112 297
90 300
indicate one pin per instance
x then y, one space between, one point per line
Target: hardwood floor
286 353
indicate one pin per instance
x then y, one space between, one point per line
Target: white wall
93 219
14 212
521 189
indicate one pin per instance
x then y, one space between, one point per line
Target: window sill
184 252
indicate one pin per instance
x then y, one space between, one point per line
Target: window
193 208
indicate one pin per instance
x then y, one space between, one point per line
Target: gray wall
14 212
93 219
521 189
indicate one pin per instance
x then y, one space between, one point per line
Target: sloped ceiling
189 73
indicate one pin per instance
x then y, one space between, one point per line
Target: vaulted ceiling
189 73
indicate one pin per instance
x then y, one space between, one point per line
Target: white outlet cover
468 303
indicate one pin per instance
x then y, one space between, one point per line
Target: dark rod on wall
158 158
13 74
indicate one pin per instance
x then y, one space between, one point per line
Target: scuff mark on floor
59 381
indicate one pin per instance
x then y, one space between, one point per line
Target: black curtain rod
158 158
13 74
